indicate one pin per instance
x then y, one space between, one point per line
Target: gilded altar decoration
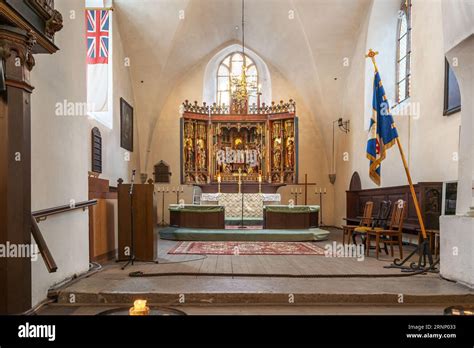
195 151
256 143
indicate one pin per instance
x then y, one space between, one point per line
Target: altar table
197 216
291 217
252 203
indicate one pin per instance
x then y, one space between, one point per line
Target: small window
403 70
229 70
96 150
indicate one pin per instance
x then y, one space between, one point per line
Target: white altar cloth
253 203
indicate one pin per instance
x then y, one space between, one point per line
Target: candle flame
139 305
139 308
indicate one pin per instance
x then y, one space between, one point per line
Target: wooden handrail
40 215
43 214
42 246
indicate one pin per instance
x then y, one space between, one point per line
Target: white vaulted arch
210 73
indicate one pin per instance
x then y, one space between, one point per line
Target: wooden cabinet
102 227
101 231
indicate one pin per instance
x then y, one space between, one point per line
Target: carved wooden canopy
37 17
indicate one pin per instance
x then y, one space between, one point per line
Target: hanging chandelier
240 85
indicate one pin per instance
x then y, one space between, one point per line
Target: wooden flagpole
372 55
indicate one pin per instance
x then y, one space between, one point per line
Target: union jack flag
97 22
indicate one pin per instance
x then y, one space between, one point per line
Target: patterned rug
247 248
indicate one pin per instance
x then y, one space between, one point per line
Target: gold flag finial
372 55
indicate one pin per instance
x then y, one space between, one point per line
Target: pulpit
144 221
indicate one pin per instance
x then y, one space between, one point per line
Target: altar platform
263 235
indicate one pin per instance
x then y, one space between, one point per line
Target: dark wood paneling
429 197
22 33
15 193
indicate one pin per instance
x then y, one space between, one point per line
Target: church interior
261 157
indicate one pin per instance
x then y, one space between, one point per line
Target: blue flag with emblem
382 131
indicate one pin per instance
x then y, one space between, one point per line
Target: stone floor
207 294
57 309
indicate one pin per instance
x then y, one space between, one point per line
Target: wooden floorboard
239 264
257 264
224 264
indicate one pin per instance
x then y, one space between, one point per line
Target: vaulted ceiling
307 50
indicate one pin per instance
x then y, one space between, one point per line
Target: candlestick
163 190
320 193
139 308
295 192
177 194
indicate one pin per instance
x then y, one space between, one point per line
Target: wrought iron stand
424 253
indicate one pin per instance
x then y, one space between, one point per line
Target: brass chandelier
240 85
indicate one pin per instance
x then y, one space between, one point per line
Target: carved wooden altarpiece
218 143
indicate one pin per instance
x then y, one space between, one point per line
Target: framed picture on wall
452 94
126 125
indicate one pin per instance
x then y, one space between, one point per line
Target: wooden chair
393 234
379 222
365 221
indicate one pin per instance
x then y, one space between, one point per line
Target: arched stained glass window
230 68
403 52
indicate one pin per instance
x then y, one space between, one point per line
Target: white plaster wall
428 138
354 110
457 232
458 21
116 163
458 25
457 243
61 147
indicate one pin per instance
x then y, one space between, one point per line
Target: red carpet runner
247 248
